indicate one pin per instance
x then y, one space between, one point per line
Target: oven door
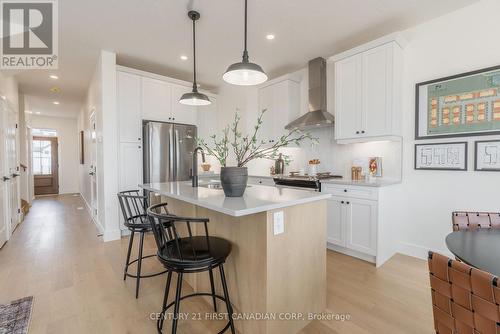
297 184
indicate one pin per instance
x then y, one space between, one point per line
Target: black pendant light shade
245 73
194 98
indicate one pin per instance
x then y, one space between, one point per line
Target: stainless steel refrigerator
168 150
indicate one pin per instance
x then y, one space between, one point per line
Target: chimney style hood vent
317 115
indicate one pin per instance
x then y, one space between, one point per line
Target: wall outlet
279 222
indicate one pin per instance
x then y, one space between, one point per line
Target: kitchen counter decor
246 147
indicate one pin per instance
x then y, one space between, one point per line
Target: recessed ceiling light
183 57
56 102
54 77
37 112
55 89
28 111
270 37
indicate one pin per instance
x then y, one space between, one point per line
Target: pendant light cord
245 52
195 86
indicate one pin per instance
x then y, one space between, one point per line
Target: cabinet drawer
350 191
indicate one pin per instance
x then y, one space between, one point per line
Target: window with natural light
42 157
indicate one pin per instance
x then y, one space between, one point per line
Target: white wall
67 137
101 99
458 42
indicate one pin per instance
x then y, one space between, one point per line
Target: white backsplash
336 158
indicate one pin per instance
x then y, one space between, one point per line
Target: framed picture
82 148
441 156
487 156
466 104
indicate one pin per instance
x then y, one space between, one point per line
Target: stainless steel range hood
317 115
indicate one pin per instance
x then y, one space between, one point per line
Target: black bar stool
188 254
133 207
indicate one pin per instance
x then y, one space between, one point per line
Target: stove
304 181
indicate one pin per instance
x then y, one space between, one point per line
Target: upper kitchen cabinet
156 100
367 91
282 101
129 107
182 113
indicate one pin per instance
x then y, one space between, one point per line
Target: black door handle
15 175
347 203
5 178
342 202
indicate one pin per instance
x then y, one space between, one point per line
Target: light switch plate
279 222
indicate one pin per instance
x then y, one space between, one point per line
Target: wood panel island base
276 281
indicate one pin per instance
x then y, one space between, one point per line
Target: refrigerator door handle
177 153
171 157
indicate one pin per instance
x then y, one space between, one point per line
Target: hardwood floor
76 279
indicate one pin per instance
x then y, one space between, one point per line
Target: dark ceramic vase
234 180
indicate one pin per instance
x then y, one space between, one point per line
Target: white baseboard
96 222
350 252
420 252
112 235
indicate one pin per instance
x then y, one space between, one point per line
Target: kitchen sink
210 185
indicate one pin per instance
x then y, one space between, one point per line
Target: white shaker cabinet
336 221
130 169
367 94
156 100
129 107
361 225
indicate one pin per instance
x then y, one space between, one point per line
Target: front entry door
45 165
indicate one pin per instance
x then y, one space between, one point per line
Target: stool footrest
142 276
207 294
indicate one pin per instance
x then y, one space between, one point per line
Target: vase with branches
247 147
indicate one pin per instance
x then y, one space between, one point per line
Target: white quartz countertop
373 183
257 198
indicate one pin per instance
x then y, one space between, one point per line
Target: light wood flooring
76 279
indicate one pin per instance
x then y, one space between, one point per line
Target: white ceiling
152 34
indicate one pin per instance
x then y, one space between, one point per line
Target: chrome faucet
194 167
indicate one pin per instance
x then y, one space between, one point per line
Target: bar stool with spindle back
182 252
133 206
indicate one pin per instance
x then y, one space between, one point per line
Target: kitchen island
277 268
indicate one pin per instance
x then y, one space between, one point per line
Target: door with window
45 165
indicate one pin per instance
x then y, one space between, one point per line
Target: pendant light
245 73
194 98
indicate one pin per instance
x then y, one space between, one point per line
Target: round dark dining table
478 248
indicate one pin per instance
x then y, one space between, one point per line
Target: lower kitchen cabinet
336 222
353 220
362 222
361 225
130 169
352 224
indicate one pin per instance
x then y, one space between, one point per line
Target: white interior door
93 169
4 183
13 168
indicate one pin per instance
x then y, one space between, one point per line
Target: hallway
56 256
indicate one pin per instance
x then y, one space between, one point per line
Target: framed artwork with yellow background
466 104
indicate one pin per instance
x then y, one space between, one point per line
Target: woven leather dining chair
464 220
464 299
